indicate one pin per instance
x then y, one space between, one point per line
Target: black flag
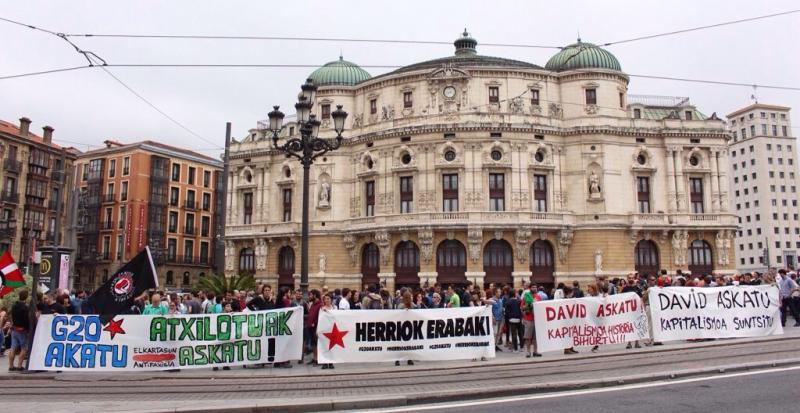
117 294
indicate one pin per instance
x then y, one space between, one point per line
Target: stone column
264 187
258 196
558 193
672 204
715 205
680 188
231 198
723 180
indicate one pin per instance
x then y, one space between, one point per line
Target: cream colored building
487 169
764 187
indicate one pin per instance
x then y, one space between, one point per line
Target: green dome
339 72
582 56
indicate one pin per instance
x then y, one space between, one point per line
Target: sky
87 106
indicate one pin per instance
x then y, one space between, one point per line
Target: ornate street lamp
306 149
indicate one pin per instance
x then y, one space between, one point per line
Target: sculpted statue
594 184
598 260
323 261
324 194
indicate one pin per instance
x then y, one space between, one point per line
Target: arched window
645 257
451 262
370 264
406 264
498 262
170 279
247 260
186 278
286 267
701 260
542 264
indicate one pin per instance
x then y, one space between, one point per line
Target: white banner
589 321
683 313
388 335
153 342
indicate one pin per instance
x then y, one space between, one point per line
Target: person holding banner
314 305
327 306
528 298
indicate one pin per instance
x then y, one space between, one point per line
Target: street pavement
773 390
353 386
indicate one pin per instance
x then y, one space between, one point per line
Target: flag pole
34 269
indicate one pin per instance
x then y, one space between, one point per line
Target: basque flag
117 294
10 275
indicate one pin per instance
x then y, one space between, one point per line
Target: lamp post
306 149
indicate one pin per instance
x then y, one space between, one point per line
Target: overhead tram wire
306 66
156 108
402 41
91 57
692 29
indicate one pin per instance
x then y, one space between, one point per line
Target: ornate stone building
486 169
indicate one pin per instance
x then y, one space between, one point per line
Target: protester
20 326
344 301
453 299
789 295
406 303
315 304
528 298
373 301
327 305
513 318
155 306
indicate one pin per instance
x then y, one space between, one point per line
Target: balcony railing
109 198
8 229
107 225
121 224
12 165
190 204
10 197
190 230
188 259
57 176
158 200
53 205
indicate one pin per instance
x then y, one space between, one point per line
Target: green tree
220 284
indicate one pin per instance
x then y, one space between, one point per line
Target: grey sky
88 106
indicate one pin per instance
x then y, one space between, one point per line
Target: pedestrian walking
20 326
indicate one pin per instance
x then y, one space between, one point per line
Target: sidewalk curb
204 375
367 402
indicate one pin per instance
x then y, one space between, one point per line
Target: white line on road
453 405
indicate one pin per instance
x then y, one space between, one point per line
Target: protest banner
681 313
589 321
154 342
391 335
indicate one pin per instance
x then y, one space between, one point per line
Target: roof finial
579 35
340 55
466 33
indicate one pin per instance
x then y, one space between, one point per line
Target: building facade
147 193
764 182
34 184
485 169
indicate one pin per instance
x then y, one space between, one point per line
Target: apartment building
147 193
763 181
33 187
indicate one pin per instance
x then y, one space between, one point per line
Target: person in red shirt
314 305
526 305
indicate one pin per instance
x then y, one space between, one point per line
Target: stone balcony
490 220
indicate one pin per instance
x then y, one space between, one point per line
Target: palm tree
220 284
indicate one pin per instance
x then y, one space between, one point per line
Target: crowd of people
512 308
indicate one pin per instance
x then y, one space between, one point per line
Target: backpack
374 304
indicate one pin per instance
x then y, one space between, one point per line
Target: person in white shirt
344 302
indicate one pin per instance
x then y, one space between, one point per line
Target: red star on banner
335 337
114 327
